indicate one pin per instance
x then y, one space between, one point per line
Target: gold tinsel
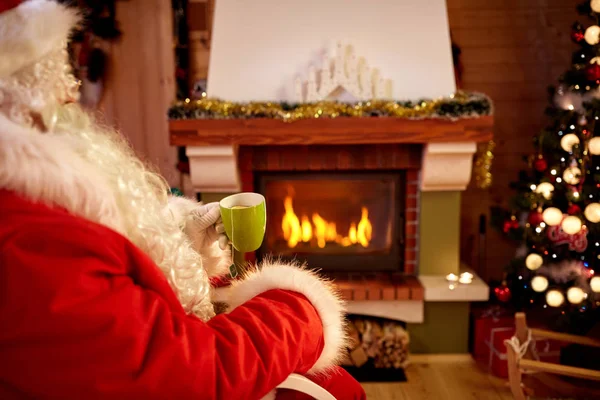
482 169
459 105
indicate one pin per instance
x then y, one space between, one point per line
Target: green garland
460 105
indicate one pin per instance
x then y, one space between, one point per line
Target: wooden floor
440 377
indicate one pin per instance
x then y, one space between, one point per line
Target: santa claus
105 280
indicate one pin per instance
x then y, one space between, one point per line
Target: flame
296 230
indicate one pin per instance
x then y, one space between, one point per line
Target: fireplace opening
335 221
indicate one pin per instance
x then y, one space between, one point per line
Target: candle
466 278
451 278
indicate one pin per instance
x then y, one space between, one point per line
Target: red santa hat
30 29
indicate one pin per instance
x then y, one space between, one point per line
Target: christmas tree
555 215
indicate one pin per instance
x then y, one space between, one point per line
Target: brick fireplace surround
355 286
436 157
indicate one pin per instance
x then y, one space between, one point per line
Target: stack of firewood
383 342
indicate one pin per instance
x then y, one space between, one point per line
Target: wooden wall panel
140 85
511 50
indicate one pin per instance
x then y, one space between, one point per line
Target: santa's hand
207 226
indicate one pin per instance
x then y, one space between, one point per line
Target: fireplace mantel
448 145
375 130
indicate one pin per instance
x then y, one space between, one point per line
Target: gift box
483 323
497 361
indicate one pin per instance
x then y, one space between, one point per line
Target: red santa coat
87 315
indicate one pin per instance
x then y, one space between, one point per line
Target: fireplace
336 221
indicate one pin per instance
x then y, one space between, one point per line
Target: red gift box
497 351
483 326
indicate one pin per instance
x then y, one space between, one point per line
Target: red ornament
510 224
503 293
574 209
540 165
577 33
592 72
535 218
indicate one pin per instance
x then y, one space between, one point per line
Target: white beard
141 196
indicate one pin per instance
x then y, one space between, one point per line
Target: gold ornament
459 105
483 164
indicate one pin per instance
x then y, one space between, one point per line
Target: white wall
259 47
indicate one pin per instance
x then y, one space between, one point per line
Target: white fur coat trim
31 30
319 292
45 168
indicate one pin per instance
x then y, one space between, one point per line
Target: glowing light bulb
552 216
539 283
575 295
595 284
592 212
571 225
554 298
545 189
534 261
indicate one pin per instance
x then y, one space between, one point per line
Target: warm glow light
451 278
571 225
552 216
554 298
539 283
595 284
592 212
572 175
575 295
568 141
290 224
296 230
545 189
534 261
466 278
594 145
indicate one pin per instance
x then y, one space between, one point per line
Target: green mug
245 218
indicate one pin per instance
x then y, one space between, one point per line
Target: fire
296 230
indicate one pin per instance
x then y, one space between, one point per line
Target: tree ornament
577 242
545 189
592 212
534 261
568 141
572 175
573 209
540 164
592 72
582 120
595 6
552 216
503 293
539 283
592 35
535 218
577 33
594 145
554 298
575 295
595 284
571 225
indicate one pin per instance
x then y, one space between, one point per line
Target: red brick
360 293
374 293
410 254
412 175
388 293
402 292
411 215
412 202
347 294
410 229
410 242
410 267
412 189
